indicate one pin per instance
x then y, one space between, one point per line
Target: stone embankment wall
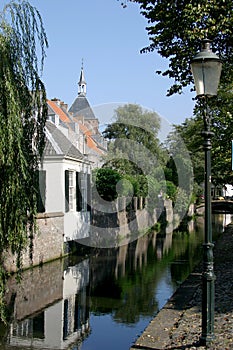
124 211
128 219
48 243
125 220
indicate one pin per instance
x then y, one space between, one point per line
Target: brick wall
48 243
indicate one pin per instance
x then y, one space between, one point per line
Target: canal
106 298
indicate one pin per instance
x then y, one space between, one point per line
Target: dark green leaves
23 113
175 29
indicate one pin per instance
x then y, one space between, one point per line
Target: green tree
191 133
222 121
176 27
22 118
106 180
134 148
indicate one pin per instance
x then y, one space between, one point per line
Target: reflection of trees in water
124 281
187 245
7 310
132 273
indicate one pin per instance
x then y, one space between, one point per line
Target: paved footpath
178 324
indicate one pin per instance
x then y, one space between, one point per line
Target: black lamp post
206 69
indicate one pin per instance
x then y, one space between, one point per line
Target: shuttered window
67 191
78 192
41 190
88 192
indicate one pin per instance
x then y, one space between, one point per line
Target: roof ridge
52 141
61 143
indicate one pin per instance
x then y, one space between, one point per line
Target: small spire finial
82 83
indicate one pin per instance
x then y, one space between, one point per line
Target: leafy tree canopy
106 181
134 146
191 133
175 30
134 149
176 27
220 111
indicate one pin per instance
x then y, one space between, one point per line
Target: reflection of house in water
60 315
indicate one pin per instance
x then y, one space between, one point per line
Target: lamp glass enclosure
206 69
206 77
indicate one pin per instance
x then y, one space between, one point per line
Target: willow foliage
22 118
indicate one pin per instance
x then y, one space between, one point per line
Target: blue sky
108 38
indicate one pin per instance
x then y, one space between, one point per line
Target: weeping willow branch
23 113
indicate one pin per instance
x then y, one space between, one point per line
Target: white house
65 183
74 146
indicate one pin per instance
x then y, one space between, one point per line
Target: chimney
64 105
56 100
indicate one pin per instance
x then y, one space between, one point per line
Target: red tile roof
90 142
58 111
63 117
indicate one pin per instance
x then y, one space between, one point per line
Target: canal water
106 298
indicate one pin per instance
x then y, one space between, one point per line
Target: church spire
82 83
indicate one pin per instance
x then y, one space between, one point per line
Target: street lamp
206 69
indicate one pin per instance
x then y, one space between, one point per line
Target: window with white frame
84 191
77 191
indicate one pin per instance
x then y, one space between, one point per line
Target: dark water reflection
105 299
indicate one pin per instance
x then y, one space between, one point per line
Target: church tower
81 108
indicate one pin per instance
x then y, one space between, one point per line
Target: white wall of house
76 223
228 190
54 195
